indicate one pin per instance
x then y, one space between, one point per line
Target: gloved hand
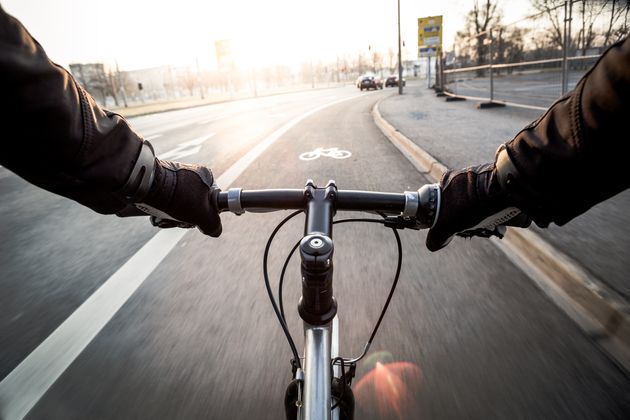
182 193
471 198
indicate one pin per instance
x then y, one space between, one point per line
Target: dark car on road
369 82
393 81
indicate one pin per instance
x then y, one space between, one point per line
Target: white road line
219 117
29 381
189 121
186 149
168 127
26 384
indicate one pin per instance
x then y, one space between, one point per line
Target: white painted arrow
186 149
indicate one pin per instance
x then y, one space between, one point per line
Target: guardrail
535 60
530 84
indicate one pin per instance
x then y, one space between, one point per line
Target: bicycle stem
317 306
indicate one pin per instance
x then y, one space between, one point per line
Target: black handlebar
294 199
421 206
264 200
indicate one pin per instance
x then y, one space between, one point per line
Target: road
198 338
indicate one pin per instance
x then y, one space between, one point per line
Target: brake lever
169 223
510 217
400 222
498 231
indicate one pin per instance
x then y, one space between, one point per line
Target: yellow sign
223 49
429 36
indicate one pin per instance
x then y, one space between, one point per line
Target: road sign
223 49
429 36
427 52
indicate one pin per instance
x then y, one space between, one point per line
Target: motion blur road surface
467 335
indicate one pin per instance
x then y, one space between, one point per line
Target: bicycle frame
317 306
317 373
321 344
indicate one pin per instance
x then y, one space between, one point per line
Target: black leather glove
473 203
182 195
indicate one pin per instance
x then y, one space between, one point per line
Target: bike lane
200 339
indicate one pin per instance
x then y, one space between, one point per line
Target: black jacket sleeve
54 134
578 153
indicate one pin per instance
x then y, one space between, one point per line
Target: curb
599 311
423 161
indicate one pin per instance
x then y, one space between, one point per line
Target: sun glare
142 33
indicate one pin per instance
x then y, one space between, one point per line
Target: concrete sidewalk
591 250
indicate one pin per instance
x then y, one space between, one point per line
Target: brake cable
366 348
279 309
284 269
283 324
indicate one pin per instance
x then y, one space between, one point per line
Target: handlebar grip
429 201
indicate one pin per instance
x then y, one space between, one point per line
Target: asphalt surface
471 334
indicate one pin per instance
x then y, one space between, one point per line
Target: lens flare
389 390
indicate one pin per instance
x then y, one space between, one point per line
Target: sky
146 33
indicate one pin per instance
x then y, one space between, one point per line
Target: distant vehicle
393 81
369 82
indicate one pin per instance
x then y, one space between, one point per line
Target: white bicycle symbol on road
332 152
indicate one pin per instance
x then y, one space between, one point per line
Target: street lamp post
400 83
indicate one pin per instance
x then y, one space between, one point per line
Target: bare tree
618 23
361 63
553 12
392 59
585 13
94 79
377 61
510 45
112 85
478 22
589 11
188 80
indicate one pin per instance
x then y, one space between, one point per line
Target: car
369 82
393 81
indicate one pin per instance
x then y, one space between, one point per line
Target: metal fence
532 62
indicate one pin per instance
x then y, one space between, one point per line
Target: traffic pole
400 87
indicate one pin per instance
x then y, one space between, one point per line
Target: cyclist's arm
576 155
55 135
